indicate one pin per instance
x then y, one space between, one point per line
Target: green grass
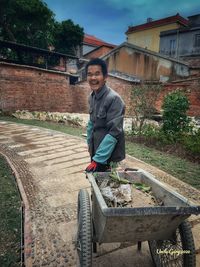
182 169
49 125
10 218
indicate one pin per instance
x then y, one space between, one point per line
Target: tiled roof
92 40
156 23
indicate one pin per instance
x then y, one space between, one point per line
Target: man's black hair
100 62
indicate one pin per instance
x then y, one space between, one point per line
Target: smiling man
105 135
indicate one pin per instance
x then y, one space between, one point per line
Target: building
142 64
183 43
94 47
147 35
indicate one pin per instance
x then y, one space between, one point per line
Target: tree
142 107
68 37
27 22
33 23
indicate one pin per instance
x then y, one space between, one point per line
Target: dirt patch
142 199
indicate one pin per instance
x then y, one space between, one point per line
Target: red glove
92 167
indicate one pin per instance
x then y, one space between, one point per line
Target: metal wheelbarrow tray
162 226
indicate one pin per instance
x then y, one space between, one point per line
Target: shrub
192 142
150 130
175 120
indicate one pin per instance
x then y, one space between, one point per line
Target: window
197 40
172 46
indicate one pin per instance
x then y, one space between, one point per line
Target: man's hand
91 167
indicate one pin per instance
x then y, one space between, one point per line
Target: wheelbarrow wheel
84 235
179 251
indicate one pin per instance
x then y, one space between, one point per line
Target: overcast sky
109 19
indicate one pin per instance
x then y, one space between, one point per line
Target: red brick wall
23 88
192 90
80 93
190 87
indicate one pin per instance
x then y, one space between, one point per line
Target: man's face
95 77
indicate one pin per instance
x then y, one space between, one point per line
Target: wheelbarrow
165 227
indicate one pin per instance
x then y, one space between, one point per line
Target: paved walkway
49 169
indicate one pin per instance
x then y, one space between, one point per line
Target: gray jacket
106 109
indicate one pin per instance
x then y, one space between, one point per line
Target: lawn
182 169
10 214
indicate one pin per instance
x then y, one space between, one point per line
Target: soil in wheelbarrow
119 194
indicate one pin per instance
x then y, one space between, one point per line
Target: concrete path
49 169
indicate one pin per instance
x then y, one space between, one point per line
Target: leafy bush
192 142
150 130
175 120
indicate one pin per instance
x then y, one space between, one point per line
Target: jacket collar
100 92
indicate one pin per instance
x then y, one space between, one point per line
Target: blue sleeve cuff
105 149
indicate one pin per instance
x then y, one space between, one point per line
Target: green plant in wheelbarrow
142 187
118 191
114 175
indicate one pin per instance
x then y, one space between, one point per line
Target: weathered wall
144 64
23 88
194 63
